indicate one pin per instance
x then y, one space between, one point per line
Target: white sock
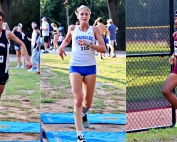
83 114
79 133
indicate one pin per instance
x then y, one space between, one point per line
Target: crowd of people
35 52
51 34
58 32
86 39
5 36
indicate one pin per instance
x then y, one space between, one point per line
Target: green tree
6 8
25 11
63 11
116 10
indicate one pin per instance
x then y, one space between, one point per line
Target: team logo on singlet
2 45
84 37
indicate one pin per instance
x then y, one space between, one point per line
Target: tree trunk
113 14
6 7
67 16
113 10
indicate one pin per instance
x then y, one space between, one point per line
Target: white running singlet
82 55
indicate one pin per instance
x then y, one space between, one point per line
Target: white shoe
80 138
17 67
22 67
30 70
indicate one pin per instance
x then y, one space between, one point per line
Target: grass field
22 92
145 77
141 47
111 82
153 135
20 101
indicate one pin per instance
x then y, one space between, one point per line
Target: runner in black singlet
6 35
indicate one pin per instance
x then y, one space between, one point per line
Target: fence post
171 51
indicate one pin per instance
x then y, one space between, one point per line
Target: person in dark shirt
17 32
6 35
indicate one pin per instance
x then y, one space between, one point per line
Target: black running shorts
46 38
4 77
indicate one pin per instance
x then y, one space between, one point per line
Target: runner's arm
68 37
11 36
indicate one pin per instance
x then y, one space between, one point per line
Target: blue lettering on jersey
84 37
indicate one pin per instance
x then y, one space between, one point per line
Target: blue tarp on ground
68 118
19 127
89 136
19 141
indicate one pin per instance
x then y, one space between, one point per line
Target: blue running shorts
83 70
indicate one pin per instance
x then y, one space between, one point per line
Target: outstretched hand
28 64
61 52
171 60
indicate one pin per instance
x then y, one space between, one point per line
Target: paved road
68 51
12 57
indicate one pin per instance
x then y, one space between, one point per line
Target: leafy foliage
25 11
56 11
60 11
121 15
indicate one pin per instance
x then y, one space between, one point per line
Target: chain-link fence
148 47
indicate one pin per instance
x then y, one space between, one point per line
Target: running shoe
45 52
80 138
17 67
101 58
113 56
51 48
85 122
33 69
22 67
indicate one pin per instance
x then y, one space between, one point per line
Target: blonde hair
5 26
82 7
53 25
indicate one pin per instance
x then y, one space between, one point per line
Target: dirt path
112 104
18 108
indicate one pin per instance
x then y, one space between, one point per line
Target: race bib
84 49
1 59
175 43
175 51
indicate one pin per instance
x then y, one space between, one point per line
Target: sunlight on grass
154 135
22 85
110 70
145 77
147 47
111 79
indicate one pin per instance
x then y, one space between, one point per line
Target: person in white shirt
82 65
33 40
45 33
